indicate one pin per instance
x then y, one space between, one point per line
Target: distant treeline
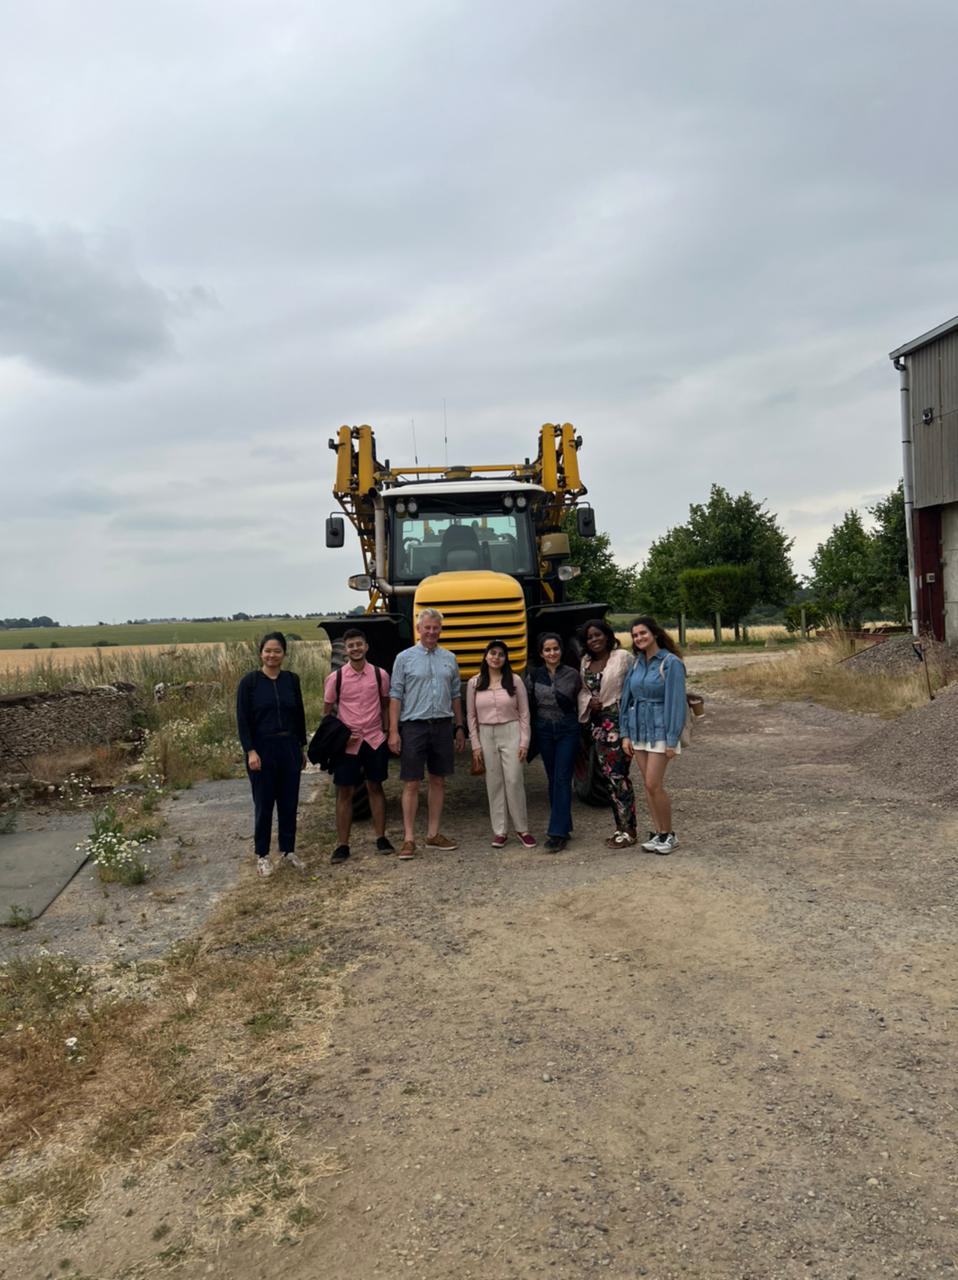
18 624
14 624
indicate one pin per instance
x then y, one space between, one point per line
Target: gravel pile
917 751
896 657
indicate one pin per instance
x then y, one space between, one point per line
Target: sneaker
291 860
666 844
440 842
340 853
652 844
384 845
498 842
407 851
526 839
620 840
264 867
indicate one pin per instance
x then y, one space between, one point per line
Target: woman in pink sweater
497 711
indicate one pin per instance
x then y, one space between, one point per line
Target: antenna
445 431
415 451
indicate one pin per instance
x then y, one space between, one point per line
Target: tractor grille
469 625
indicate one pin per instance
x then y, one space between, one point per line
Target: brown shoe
407 851
440 842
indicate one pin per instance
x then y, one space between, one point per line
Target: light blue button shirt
424 683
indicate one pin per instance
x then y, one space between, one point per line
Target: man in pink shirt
360 690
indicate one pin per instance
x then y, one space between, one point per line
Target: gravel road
734 1062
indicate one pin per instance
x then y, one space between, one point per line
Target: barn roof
916 343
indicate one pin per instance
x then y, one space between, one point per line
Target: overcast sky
694 230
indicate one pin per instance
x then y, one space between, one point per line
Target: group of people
633 704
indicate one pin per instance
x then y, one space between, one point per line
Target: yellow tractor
486 545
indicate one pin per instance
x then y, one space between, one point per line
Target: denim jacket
653 706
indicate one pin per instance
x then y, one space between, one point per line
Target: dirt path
736 1062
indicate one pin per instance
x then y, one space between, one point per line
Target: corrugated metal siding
933 377
948 395
923 379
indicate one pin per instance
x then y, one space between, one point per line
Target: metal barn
928 368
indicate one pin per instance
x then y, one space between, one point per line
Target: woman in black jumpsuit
271 720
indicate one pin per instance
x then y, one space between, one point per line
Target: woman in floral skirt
605 668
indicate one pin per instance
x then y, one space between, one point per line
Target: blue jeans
558 746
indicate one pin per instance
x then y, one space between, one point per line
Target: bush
814 616
29 645
117 857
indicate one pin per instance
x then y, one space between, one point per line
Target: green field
156 633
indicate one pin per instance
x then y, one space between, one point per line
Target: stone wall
33 724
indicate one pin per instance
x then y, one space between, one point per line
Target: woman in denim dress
652 714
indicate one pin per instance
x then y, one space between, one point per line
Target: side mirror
585 522
335 531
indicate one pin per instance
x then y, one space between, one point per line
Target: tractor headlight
521 502
360 582
508 502
566 572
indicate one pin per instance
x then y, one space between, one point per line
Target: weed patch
18 918
816 672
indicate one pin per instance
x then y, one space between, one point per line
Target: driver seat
460 549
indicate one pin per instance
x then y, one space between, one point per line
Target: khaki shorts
656 748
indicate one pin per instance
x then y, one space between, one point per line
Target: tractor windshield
443 541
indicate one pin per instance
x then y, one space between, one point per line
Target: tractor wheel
588 783
361 810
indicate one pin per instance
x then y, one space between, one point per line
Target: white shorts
656 748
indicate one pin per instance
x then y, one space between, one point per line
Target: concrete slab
36 866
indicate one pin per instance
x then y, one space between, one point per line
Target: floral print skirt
614 765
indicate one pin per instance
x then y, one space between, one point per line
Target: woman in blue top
271 721
652 714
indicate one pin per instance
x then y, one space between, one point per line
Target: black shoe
384 845
340 853
555 844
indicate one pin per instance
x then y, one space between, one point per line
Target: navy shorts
369 764
426 743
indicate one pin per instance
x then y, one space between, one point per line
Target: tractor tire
588 783
361 810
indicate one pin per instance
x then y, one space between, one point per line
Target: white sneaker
652 844
666 845
264 868
291 860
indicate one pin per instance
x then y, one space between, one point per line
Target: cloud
693 230
73 303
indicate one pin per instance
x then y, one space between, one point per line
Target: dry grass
203 1069
704 636
94 661
816 672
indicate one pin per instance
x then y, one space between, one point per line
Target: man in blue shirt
425 722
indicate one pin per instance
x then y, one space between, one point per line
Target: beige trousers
505 785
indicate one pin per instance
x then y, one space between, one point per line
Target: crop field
155 633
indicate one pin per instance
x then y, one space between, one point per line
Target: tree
728 589
729 530
890 554
843 571
602 578
658 579
724 531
